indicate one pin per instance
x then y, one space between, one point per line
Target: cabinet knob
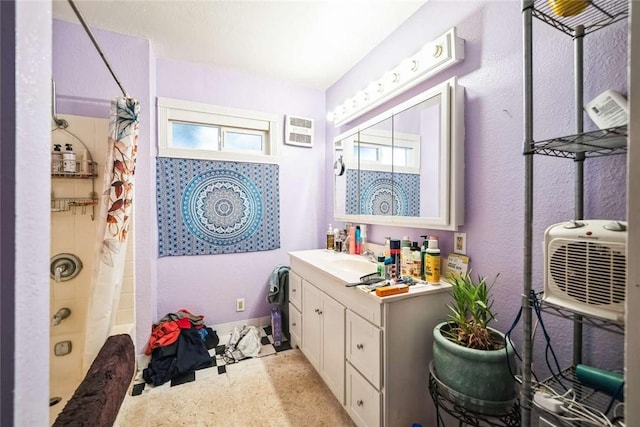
359 346
293 290
293 324
359 402
319 311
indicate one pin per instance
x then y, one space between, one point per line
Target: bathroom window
200 131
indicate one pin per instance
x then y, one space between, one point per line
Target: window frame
226 119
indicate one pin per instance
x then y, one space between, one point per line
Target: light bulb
391 77
409 65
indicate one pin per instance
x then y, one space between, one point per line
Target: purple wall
492 76
210 284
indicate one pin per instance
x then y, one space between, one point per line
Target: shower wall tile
64 290
125 317
126 301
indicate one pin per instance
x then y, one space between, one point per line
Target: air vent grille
588 272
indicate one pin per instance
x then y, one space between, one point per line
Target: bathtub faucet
61 314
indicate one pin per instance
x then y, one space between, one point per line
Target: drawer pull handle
359 346
360 402
293 324
319 311
293 290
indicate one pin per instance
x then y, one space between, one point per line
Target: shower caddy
578 147
74 204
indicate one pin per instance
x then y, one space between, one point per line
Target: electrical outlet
460 243
240 304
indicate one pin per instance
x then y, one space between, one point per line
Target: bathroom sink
354 265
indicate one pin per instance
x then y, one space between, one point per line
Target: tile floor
217 367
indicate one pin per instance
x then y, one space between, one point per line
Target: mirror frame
451 161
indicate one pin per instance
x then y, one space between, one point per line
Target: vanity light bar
434 57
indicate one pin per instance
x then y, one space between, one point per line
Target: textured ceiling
312 43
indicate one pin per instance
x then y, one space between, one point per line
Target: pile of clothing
178 344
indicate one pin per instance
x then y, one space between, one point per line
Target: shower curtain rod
97 46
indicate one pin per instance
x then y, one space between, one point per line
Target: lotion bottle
432 269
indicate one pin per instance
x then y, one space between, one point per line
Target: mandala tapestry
209 207
380 195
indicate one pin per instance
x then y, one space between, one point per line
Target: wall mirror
405 167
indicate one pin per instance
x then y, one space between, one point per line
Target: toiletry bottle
387 247
358 240
405 256
380 266
351 240
336 238
84 164
416 261
69 159
423 254
56 159
395 257
432 268
330 238
363 238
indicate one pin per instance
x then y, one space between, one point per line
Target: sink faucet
61 314
370 255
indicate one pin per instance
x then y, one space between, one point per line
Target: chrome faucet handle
370 255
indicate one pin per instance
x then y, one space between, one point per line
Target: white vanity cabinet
372 352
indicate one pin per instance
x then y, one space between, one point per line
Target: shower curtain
116 202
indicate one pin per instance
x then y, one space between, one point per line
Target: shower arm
60 123
97 46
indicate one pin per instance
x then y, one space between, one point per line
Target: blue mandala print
221 207
378 198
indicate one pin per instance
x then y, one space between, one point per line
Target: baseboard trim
227 328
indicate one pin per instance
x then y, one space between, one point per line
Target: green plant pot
480 380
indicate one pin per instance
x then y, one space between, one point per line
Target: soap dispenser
69 159
56 159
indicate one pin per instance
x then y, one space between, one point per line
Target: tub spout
61 314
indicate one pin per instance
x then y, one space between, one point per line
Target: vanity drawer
364 402
295 290
364 342
295 326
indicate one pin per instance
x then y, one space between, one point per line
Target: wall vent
298 131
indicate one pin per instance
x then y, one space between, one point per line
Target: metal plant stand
448 401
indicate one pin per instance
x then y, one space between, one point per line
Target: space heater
585 265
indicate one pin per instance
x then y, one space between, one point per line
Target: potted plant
470 358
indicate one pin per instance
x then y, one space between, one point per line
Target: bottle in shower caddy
69 160
56 159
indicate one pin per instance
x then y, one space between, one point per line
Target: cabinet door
332 347
295 326
295 290
311 322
